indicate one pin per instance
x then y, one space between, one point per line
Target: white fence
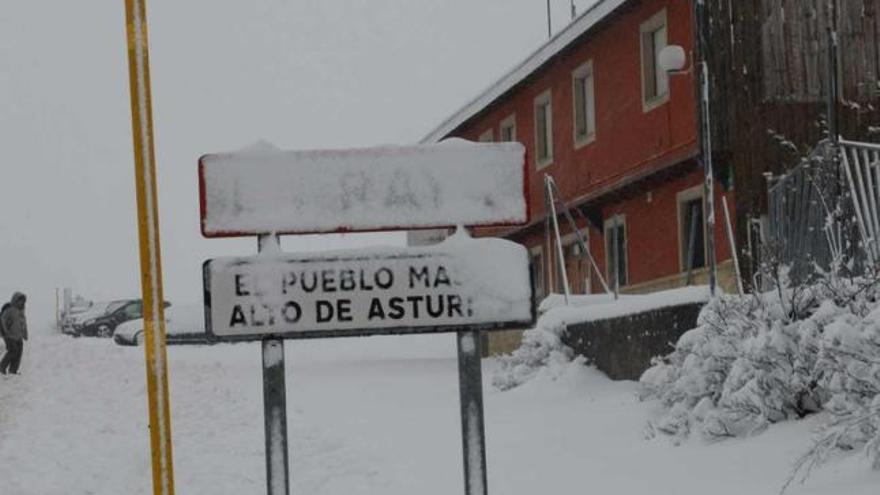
861 164
812 207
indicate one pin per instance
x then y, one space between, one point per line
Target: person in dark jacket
14 329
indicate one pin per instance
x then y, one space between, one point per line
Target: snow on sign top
455 182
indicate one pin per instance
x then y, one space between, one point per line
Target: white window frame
648 27
681 198
611 222
487 136
509 122
585 72
545 98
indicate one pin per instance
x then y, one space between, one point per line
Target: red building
619 136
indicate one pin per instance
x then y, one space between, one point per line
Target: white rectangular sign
460 282
266 190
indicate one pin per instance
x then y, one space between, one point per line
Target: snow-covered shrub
848 368
541 348
742 368
758 359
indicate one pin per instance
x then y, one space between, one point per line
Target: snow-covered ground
367 416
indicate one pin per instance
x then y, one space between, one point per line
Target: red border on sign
346 230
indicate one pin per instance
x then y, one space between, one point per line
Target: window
487 136
691 229
536 259
508 129
543 129
577 262
584 104
655 81
113 306
615 250
133 310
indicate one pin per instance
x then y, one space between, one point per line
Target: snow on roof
599 11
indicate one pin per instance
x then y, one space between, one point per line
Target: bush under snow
759 359
752 361
541 349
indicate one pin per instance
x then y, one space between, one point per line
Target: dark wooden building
770 68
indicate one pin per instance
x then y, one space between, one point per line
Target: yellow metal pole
148 233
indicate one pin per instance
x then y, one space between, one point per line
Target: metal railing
812 208
801 208
861 164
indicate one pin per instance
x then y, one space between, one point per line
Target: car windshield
98 307
113 306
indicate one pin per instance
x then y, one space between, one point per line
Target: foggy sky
297 73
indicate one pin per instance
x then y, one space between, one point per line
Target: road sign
269 191
460 283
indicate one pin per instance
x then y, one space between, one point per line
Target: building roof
533 63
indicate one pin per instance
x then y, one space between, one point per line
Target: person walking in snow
14 329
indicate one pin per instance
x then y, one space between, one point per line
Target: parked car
118 312
183 325
74 320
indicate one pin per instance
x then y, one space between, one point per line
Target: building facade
619 136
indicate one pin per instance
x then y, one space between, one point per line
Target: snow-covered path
367 416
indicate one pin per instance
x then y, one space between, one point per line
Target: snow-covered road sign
264 190
460 283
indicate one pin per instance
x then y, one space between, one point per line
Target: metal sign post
275 417
452 286
274 401
473 433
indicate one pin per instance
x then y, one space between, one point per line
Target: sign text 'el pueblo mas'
381 291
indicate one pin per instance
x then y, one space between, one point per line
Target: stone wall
623 347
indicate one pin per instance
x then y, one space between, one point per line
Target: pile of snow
542 350
365 416
761 359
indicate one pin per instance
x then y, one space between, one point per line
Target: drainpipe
702 41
